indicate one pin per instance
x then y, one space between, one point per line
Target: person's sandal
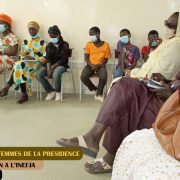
98 166
23 99
3 92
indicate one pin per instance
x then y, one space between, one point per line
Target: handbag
167 125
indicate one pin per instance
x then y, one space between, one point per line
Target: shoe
58 97
80 143
24 98
99 98
98 166
3 92
50 96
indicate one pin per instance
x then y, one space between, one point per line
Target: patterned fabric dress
6 62
141 157
24 70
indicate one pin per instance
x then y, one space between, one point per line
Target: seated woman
8 44
57 63
129 106
128 54
165 58
148 150
135 156
32 55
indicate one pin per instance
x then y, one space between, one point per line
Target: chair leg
37 90
73 81
62 84
40 91
81 91
15 94
4 77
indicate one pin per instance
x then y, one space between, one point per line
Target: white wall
75 17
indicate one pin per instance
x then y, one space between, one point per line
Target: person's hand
158 77
53 66
163 93
175 85
49 73
39 66
96 67
128 73
159 41
28 58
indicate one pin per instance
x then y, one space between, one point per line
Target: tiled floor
40 123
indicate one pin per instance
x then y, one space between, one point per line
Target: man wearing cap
8 44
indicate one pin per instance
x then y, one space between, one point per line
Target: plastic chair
116 54
69 71
82 85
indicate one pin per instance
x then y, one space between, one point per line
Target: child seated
97 53
128 54
154 41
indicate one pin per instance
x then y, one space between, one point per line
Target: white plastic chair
82 88
69 71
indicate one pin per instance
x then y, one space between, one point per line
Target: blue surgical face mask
2 28
93 38
35 36
124 39
154 43
54 40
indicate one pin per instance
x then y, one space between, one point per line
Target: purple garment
128 107
131 52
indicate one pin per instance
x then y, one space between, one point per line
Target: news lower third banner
31 158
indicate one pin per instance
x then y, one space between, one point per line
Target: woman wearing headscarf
8 44
32 58
130 104
57 63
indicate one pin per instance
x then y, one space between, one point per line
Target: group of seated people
37 58
129 106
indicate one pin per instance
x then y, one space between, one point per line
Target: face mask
35 36
154 43
93 38
2 28
54 40
124 39
169 33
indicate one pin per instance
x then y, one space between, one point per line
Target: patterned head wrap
5 18
34 24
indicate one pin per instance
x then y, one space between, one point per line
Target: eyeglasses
169 25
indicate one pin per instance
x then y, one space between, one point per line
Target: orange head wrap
5 18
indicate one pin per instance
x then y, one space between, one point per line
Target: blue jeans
118 72
56 76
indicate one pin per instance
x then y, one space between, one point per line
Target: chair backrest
70 57
70 52
116 53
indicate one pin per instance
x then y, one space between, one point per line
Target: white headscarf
175 7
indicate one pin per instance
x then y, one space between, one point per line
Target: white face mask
169 33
